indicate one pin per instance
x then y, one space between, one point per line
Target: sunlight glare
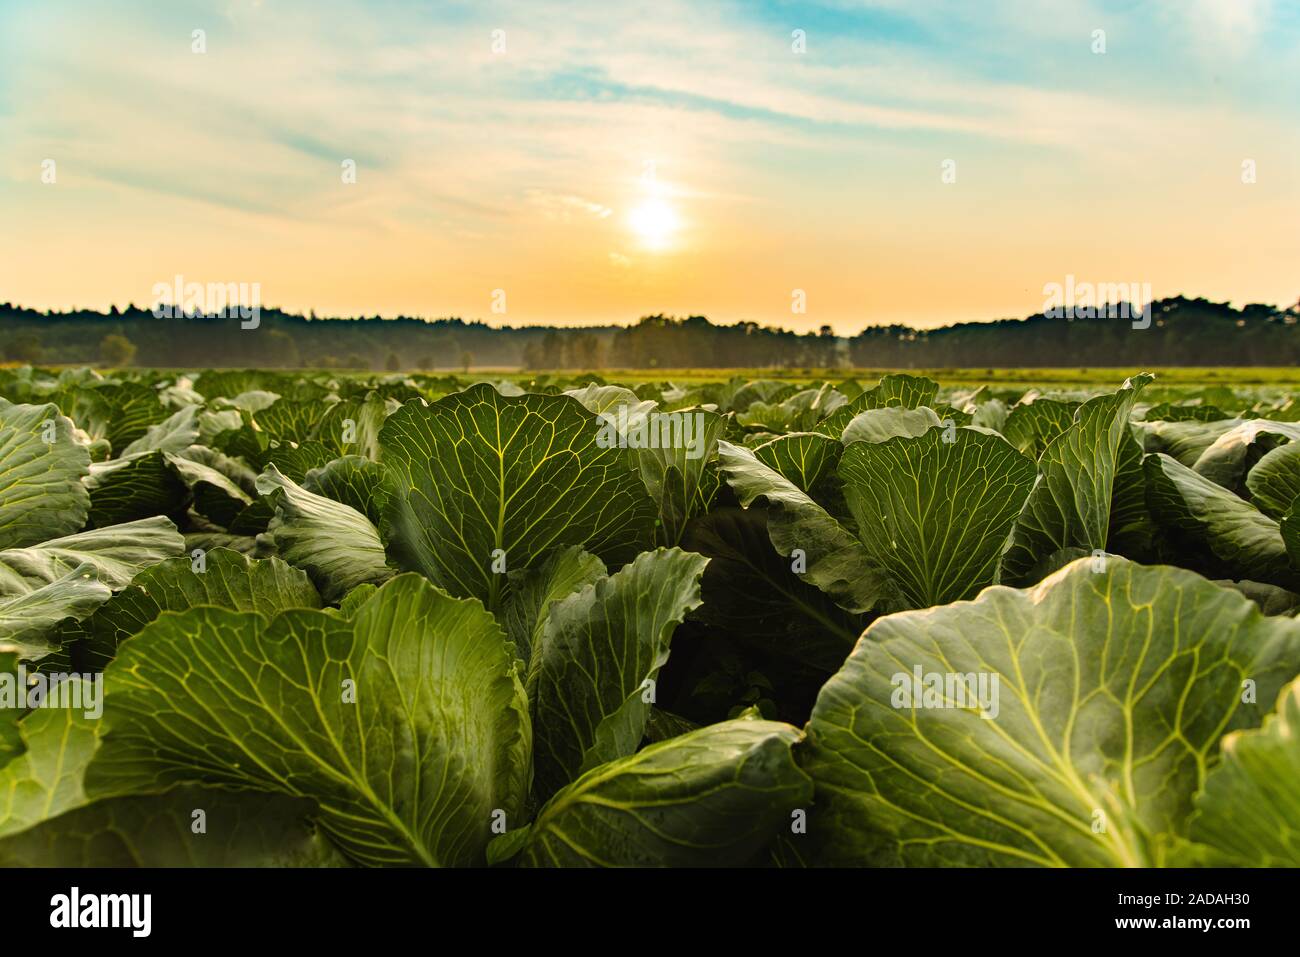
654 223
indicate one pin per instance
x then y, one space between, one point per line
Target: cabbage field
315 619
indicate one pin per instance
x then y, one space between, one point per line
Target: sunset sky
619 159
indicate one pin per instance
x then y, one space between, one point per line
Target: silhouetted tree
24 347
1183 331
279 349
116 351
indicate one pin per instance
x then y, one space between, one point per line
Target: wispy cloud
489 158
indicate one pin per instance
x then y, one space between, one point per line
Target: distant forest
1193 332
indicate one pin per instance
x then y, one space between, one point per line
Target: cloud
563 208
477 168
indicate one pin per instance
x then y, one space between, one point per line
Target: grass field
1287 377
1280 376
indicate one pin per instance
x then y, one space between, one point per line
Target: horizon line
310 316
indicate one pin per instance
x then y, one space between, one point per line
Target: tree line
1181 331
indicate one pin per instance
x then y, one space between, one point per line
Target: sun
654 222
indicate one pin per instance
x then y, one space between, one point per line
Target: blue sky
526 168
